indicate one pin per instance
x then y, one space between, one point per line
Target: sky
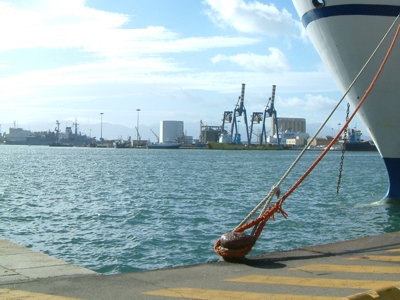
98 62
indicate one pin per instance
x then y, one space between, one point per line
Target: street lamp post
101 127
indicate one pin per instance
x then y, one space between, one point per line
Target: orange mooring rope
260 222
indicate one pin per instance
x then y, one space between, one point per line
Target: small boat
226 142
122 144
165 145
346 34
59 144
355 143
361 146
225 146
267 147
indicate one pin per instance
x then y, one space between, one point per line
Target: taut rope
269 212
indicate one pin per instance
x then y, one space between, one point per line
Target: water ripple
126 211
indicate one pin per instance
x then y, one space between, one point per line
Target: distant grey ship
20 136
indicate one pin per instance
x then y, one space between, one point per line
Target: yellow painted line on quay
202 294
376 257
350 269
16 294
315 282
375 289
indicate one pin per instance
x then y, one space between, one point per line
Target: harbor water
128 210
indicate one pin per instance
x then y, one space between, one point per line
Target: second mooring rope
269 212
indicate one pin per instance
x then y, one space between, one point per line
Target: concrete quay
366 268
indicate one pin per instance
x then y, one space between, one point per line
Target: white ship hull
345 33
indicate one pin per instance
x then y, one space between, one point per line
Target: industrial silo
171 131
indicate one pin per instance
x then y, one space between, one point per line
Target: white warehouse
171 131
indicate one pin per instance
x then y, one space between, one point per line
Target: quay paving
366 268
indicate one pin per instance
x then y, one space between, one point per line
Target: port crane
226 118
158 139
270 111
138 134
257 117
230 117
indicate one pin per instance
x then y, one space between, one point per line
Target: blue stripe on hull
350 9
393 169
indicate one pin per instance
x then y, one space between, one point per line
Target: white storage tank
171 131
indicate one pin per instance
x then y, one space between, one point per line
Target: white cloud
203 43
54 24
98 73
253 17
133 46
123 66
71 24
317 103
275 62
